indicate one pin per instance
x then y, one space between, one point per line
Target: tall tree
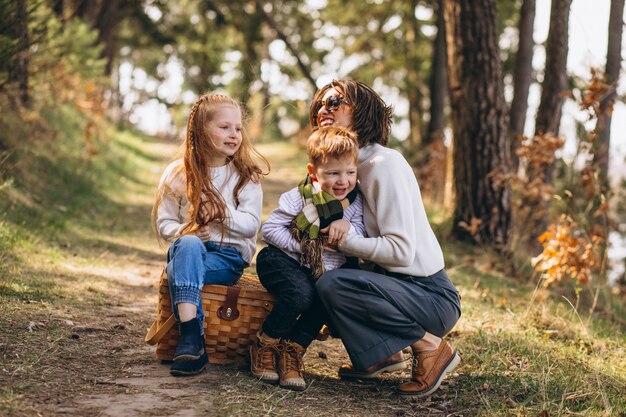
522 76
479 116
413 78
18 60
438 81
553 89
554 84
611 74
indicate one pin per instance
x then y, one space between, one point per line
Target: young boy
302 234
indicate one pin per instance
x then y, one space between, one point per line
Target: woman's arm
391 193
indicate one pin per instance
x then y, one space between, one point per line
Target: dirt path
90 359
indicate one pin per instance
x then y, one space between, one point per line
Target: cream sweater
243 220
401 239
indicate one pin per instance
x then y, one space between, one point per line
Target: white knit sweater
401 239
243 220
276 228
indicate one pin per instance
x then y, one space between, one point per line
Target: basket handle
228 311
156 333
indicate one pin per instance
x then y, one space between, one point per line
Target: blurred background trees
458 73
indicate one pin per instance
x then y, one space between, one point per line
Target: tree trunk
438 82
412 76
522 77
611 74
479 115
554 83
554 87
18 70
107 25
432 158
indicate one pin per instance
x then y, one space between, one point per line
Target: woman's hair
332 142
206 203
371 117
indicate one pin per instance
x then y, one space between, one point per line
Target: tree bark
554 83
438 82
413 82
18 68
611 74
479 115
554 87
522 77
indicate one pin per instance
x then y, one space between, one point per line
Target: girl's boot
190 357
190 346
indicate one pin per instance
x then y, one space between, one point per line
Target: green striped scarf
319 211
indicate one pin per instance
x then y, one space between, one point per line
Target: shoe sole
191 373
397 366
186 357
293 387
453 363
262 376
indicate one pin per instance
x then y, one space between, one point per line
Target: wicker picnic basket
233 315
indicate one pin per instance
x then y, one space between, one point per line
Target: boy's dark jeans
299 314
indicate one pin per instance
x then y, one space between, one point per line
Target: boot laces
293 358
418 368
266 354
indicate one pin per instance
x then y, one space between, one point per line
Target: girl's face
225 132
334 110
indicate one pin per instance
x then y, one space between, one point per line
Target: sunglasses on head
332 103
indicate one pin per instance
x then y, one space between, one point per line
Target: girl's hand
337 231
204 233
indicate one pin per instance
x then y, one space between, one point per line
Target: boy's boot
263 353
190 367
190 342
291 366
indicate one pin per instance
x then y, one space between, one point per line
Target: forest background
524 213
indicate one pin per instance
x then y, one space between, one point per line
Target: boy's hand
337 231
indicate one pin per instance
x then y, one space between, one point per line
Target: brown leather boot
291 365
263 354
429 368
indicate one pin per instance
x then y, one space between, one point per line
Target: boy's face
337 176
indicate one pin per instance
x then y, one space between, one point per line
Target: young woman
403 296
208 205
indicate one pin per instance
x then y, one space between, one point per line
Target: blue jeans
192 263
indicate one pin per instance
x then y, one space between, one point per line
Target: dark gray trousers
378 315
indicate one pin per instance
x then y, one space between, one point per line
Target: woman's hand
337 232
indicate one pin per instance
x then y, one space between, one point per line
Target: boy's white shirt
400 237
275 229
242 220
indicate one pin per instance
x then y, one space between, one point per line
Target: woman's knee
327 284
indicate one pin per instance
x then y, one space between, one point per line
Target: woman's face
334 111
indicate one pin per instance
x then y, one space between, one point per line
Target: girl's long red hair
206 203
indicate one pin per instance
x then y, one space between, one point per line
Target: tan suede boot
291 365
263 354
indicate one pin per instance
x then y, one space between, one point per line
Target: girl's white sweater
243 220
